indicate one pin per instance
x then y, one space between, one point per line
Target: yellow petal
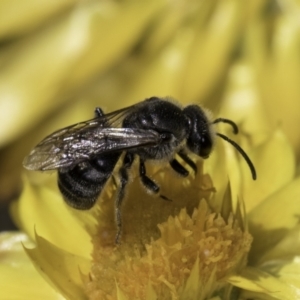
167 26
274 161
120 294
271 220
192 283
60 268
287 248
258 283
216 167
283 75
167 64
277 67
289 272
18 277
43 210
64 57
208 57
242 102
18 17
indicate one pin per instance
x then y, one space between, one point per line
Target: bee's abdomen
82 185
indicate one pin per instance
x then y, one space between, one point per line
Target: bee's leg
147 182
189 162
177 167
98 112
123 173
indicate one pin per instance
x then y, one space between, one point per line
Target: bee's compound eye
205 146
199 138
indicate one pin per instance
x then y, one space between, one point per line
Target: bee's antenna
238 148
234 126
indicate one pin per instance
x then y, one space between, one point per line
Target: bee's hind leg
123 173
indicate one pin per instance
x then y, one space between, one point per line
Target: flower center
188 261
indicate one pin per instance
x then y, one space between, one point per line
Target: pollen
190 259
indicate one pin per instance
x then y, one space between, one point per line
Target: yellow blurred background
61 59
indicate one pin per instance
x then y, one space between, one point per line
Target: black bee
85 154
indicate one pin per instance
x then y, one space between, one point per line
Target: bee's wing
73 144
71 149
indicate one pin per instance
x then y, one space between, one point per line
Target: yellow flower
193 247
19 279
186 256
241 58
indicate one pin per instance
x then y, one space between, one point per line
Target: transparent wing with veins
82 141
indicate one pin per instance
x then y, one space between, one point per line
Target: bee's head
200 136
